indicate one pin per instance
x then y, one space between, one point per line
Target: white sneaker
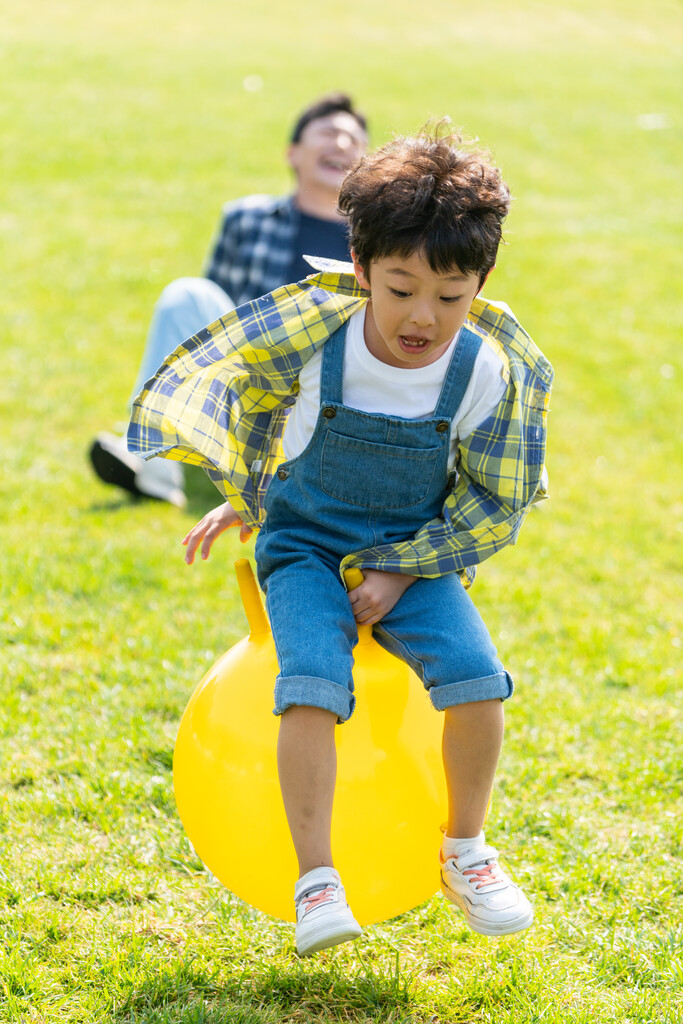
158 478
491 902
323 917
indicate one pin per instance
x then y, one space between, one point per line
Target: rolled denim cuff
468 691
311 691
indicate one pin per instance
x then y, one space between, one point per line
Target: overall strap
332 369
459 373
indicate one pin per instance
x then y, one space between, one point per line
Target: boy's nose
422 316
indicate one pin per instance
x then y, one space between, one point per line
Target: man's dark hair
334 103
426 194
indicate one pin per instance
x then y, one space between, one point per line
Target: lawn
125 127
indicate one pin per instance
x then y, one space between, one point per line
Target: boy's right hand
211 526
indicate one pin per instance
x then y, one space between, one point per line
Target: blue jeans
434 627
184 307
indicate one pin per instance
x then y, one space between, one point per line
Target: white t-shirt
373 386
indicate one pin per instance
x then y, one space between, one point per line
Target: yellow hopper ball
390 796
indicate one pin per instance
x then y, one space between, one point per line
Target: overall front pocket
375 475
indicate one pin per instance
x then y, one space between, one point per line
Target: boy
414 445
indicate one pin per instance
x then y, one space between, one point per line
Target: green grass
126 126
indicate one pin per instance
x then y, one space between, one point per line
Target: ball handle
251 599
353 578
253 606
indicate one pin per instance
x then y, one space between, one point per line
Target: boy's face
413 313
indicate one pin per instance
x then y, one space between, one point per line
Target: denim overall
363 480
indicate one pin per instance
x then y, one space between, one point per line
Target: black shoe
114 464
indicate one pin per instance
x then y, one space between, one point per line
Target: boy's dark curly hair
427 194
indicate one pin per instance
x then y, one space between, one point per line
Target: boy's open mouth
413 342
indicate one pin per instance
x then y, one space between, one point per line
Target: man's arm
223 263
253 248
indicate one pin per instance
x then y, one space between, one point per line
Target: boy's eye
451 298
399 294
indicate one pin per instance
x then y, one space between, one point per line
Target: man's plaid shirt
220 401
253 250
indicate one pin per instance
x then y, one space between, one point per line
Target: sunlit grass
126 127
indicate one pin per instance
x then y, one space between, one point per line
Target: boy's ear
361 276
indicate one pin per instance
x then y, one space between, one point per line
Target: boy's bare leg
472 738
471 877
307 766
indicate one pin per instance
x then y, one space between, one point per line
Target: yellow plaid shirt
221 400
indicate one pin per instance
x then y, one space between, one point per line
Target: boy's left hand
377 594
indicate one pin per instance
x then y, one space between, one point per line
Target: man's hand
212 525
377 594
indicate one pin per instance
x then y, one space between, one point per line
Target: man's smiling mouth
336 165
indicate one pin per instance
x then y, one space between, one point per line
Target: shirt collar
324 265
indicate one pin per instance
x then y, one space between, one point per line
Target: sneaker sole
318 940
480 927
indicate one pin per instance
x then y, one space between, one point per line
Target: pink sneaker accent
323 917
327 895
490 901
481 877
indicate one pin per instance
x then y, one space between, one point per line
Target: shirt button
329 413
282 474
442 427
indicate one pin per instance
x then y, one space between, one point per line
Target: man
259 246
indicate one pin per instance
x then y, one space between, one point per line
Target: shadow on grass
277 994
116 504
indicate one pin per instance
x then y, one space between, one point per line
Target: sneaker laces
316 897
479 867
483 877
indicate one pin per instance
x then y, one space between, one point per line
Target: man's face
328 148
413 313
